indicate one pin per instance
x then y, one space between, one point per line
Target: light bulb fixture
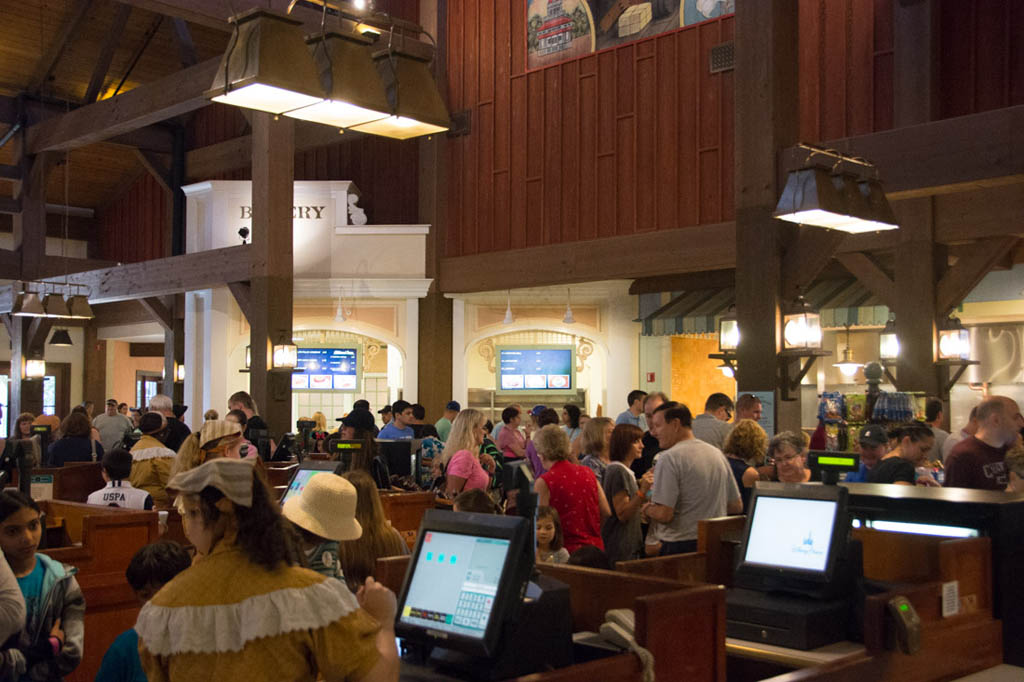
339 313
509 317
415 104
248 357
837 201
349 79
60 339
179 373
266 65
28 304
56 306
954 341
888 342
79 308
34 369
359 4
727 370
286 356
801 327
568 318
848 366
728 333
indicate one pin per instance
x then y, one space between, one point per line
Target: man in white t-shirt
112 426
692 481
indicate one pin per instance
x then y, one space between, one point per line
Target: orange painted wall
694 376
125 366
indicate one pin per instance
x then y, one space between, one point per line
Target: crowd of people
299 577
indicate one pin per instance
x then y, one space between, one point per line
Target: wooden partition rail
683 626
684 568
72 482
405 510
718 540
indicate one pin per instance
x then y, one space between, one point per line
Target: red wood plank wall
132 228
632 139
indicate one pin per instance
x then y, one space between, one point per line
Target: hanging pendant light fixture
28 304
415 104
509 317
61 338
848 366
267 65
349 78
568 319
56 306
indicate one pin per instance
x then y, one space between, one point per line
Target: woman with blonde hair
217 438
461 458
358 558
745 449
596 435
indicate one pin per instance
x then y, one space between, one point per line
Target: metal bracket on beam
788 385
944 366
461 123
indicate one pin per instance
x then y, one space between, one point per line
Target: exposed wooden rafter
969 270
102 66
58 45
870 275
186 48
166 98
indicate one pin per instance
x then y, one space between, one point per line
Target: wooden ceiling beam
10 205
941 156
102 67
57 46
158 311
8 172
686 281
870 275
158 165
145 105
205 162
969 270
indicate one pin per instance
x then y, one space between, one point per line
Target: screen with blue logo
791 533
327 369
535 369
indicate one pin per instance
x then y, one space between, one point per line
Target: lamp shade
56 306
801 328
349 78
286 356
848 366
954 342
888 342
414 100
267 66
79 308
728 333
815 196
28 305
61 338
35 369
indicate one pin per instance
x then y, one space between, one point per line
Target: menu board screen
536 369
327 369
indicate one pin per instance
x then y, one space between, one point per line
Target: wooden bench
405 511
72 482
104 539
685 568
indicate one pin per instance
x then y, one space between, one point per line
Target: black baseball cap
384 410
874 434
358 419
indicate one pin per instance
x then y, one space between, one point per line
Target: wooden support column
435 314
174 342
766 122
273 177
29 225
914 298
94 370
28 336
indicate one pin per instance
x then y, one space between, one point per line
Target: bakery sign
298 212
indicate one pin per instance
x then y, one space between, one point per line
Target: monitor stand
538 639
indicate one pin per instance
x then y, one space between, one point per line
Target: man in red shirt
978 461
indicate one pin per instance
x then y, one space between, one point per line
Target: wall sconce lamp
728 333
35 368
285 357
954 351
179 373
801 340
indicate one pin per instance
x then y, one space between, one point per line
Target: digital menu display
536 370
327 369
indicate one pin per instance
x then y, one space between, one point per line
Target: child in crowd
50 645
246 611
431 448
152 567
118 492
475 500
549 537
324 514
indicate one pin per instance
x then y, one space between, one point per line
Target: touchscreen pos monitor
795 538
306 471
465 582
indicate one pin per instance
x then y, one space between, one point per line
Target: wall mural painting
559 30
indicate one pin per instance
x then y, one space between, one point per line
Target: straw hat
326 507
217 428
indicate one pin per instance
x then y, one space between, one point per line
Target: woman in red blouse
571 489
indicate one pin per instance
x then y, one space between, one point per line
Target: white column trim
412 350
460 390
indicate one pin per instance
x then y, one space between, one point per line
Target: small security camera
244 234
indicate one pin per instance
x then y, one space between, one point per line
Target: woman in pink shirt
511 441
462 467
